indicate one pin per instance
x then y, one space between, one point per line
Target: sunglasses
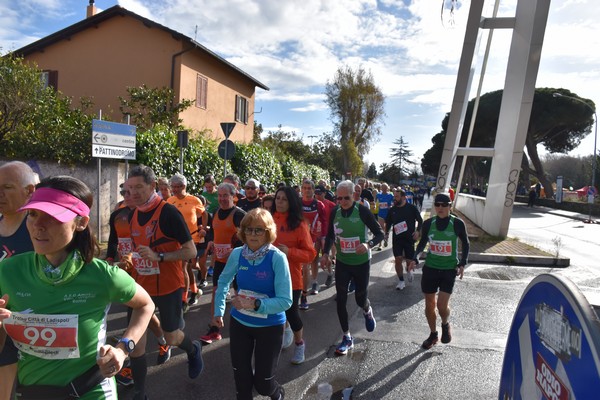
255 231
441 204
250 187
124 192
340 198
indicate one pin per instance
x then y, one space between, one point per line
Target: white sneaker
288 337
401 285
410 276
298 357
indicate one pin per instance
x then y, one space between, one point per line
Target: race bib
400 227
441 247
222 250
383 206
252 295
47 336
349 245
125 246
143 266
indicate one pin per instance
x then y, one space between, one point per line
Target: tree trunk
539 169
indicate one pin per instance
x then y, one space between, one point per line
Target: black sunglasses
340 198
441 204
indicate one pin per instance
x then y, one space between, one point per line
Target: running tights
343 274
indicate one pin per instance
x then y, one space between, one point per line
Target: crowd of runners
257 250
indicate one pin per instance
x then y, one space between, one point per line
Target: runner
320 193
17 183
314 214
405 221
442 265
224 228
347 229
62 292
252 200
384 201
161 241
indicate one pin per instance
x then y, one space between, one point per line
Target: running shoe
430 341
346 344
212 335
288 337
370 322
210 271
185 306
410 276
193 298
351 287
298 357
446 333
314 288
401 285
203 283
124 377
329 280
164 354
303 303
195 362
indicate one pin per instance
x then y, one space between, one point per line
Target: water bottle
324 391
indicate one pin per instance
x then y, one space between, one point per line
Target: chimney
91 9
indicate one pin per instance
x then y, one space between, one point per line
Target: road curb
514 259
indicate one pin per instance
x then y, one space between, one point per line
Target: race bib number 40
52 337
143 266
441 247
349 245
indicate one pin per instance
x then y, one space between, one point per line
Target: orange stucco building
102 55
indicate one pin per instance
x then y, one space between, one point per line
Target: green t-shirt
350 232
443 246
64 325
212 201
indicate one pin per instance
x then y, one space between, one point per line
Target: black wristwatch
161 256
129 345
257 303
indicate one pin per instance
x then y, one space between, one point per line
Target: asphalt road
389 363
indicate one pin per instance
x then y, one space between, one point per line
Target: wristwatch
129 344
161 256
257 303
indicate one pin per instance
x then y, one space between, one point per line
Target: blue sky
295 47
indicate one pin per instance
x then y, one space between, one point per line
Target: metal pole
591 203
98 188
225 161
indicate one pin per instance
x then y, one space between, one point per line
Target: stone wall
106 192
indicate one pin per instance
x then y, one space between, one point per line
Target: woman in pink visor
54 300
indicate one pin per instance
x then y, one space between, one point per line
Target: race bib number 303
48 336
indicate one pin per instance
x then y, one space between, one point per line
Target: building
101 56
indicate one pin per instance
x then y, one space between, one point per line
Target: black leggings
360 275
265 345
292 314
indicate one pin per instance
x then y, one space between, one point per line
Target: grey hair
228 186
348 185
178 178
25 173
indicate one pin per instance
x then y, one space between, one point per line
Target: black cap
320 189
442 198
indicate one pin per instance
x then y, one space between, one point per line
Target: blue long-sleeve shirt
283 283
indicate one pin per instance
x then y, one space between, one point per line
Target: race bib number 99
441 247
48 336
349 245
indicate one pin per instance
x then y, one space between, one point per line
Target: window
201 91
50 79
241 109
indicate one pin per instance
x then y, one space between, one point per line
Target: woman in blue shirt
258 313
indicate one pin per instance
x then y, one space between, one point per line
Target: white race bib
222 250
125 246
441 247
400 227
349 245
47 336
252 295
143 266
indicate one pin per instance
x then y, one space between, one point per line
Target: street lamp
594 158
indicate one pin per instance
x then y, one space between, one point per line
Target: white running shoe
298 357
401 285
288 337
410 276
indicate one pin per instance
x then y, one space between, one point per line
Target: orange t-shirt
192 209
300 247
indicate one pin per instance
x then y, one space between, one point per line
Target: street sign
227 128
113 140
553 345
226 149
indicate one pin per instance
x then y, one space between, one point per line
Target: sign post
227 128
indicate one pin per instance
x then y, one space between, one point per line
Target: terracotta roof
111 12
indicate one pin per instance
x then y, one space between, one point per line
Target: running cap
442 198
62 206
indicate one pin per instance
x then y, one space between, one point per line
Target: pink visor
62 206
